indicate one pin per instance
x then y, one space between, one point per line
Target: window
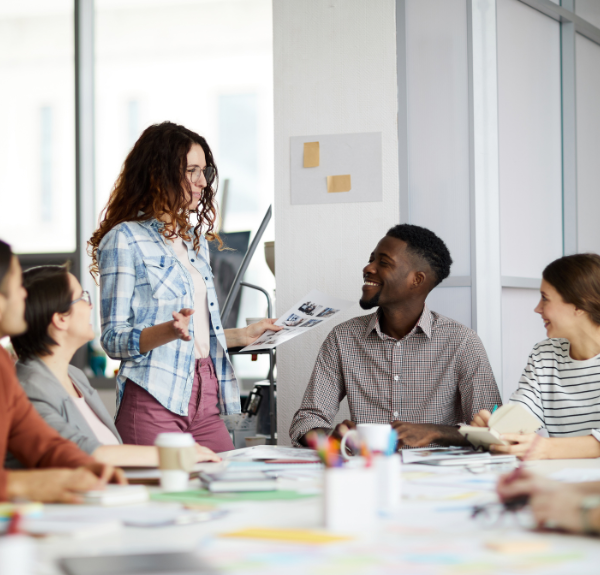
37 122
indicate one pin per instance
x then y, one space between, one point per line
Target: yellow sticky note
518 546
288 535
338 184
312 155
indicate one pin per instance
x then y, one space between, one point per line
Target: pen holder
388 470
349 499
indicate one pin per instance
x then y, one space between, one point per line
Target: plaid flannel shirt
141 283
438 373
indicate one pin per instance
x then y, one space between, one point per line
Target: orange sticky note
338 184
311 155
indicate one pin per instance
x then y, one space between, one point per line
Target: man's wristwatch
587 504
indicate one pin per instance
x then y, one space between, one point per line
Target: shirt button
206 278
218 327
395 414
396 378
211 303
192 261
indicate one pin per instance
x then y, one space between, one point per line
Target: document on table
151 475
313 309
270 452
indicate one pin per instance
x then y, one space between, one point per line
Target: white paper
270 452
313 309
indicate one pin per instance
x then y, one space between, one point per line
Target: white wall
334 72
588 144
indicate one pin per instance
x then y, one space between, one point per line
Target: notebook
510 418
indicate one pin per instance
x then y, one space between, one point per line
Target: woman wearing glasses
58 314
159 309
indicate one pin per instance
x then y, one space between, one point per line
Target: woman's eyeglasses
209 174
85 296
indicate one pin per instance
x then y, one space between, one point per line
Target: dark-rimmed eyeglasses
209 174
85 296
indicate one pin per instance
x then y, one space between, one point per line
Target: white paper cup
174 480
176 457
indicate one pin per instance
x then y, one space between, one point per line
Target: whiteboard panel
453 302
356 155
530 155
522 328
438 123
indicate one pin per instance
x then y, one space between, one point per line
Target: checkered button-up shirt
438 373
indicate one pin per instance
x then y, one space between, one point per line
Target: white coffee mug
376 436
176 457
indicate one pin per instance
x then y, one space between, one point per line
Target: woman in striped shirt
561 381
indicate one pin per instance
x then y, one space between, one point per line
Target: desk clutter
370 514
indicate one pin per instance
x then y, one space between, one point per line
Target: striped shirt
142 282
562 392
438 373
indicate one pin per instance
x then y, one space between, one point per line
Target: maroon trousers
141 417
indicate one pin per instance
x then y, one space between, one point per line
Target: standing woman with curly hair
159 309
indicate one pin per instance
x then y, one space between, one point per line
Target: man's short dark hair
426 245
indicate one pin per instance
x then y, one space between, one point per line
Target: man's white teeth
367 283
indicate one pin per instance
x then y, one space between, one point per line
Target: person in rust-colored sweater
23 432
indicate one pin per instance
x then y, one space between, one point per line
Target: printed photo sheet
313 309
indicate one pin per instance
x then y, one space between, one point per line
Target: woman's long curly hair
152 183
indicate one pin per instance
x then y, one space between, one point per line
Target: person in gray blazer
58 314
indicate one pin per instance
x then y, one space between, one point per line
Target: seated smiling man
404 364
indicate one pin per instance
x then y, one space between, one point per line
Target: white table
426 536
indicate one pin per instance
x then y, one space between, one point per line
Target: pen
495 408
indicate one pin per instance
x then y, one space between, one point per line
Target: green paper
205 496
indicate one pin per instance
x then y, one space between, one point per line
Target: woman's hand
553 504
107 473
255 330
181 322
205 454
246 335
558 508
52 485
521 444
481 419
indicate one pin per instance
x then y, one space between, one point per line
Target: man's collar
424 324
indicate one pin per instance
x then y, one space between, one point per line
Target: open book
510 418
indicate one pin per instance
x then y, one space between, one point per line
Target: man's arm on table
424 434
477 388
323 394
